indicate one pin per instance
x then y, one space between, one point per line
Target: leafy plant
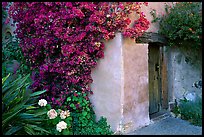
182 22
84 119
19 113
66 52
12 52
190 110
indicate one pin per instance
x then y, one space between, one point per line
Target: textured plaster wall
136 93
182 75
107 84
121 85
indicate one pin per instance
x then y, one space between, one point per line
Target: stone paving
168 126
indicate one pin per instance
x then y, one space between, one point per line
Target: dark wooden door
154 79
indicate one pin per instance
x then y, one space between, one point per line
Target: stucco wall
107 84
121 85
124 100
182 74
136 93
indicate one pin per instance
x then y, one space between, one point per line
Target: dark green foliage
84 118
20 115
12 52
182 22
190 110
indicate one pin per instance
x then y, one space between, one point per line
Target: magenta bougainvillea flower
63 41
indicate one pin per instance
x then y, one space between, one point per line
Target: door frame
162 78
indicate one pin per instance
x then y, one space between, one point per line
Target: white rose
107 15
52 114
42 102
61 125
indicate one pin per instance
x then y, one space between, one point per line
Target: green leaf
66 132
48 106
84 113
5 78
39 129
69 99
72 105
75 98
37 93
13 130
39 113
29 130
26 115
6 119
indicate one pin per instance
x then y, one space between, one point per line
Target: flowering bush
42 102
182 23
58 121
63 41
52 114
61 125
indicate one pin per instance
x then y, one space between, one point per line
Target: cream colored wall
136 95
107 85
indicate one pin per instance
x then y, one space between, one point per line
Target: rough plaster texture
107 83
182 75
121 80
136 93
121 85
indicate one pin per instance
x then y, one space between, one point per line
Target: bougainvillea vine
64 40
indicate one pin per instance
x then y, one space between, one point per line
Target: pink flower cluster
62 40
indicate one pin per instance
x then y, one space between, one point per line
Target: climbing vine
63 41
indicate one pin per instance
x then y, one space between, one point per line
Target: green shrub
84 119
181 24
20 115
190 110
12 52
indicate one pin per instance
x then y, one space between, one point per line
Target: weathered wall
182 74
107 84
121 81
136 93
121 85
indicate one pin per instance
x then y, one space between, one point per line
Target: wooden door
154 78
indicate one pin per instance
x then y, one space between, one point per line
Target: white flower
52 114
42 102
64 114
61 125
107 15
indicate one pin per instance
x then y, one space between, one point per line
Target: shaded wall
182 75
